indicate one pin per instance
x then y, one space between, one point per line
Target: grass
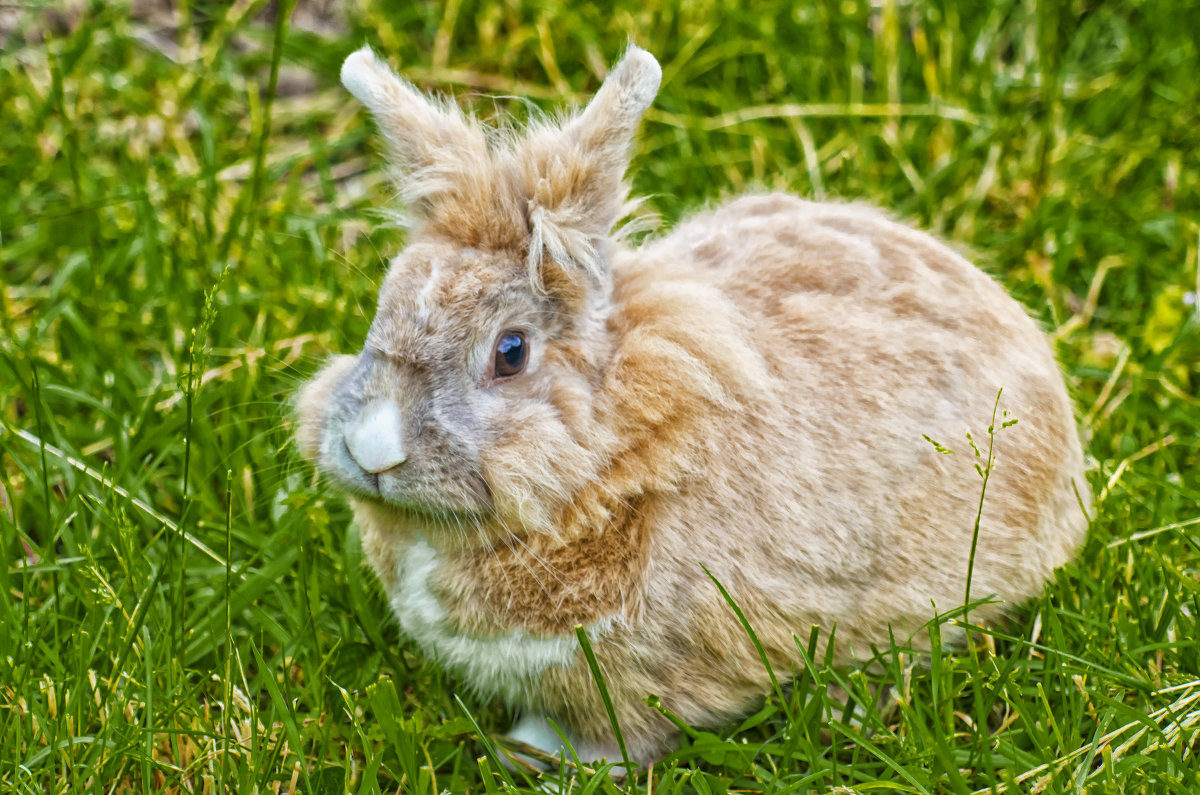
187 227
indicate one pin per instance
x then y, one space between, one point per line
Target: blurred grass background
188 224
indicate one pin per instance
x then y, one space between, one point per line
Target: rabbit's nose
375 438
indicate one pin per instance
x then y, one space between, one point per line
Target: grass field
188 225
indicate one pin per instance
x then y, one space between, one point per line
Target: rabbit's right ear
574 176
606 126
439 155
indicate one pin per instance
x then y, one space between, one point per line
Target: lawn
192 218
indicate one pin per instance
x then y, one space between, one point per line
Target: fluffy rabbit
546 428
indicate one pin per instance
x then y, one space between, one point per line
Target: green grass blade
602 686
749 630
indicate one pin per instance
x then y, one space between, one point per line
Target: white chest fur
505 666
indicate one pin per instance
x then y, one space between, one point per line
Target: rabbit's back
824 495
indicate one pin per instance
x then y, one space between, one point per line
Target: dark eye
512 351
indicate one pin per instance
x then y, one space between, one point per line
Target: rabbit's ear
607 124
574 175
440 156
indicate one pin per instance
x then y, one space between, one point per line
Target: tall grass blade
602 686
749 630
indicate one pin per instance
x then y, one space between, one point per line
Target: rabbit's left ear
574 174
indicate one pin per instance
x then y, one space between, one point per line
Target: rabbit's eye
512 351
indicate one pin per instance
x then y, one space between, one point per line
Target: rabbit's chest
505 662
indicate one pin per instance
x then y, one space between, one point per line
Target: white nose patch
375 438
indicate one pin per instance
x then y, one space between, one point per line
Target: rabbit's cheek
534 466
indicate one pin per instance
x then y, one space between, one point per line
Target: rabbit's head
470 400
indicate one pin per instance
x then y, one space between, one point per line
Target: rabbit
548 428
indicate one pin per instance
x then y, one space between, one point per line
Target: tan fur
748 394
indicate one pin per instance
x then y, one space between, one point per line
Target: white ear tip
645 63
640 75
360 72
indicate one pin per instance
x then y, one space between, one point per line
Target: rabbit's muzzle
377 440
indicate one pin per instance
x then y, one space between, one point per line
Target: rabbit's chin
465 501
422 514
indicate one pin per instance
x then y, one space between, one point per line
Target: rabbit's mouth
464 499
439 516
464 502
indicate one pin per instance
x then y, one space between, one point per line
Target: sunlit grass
189 224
